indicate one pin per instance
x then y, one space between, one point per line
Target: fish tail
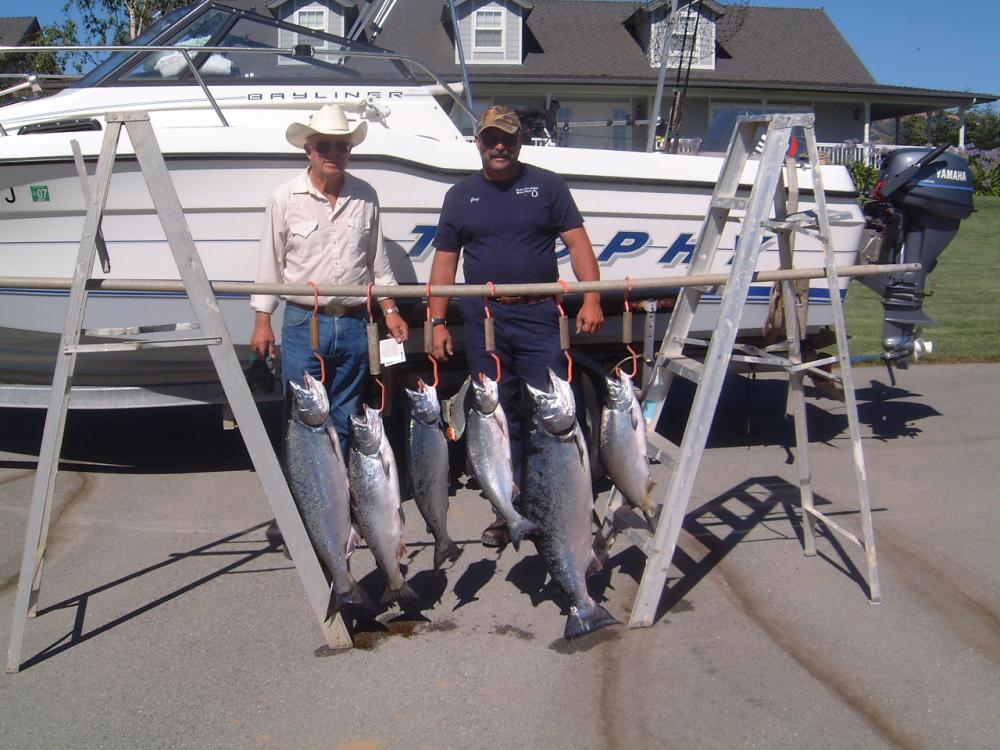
583 620
354 595
445 550
522 528
649 507
404 595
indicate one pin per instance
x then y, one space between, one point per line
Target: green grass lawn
964 300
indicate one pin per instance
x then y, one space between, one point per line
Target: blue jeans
343 343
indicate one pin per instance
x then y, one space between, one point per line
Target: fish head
620 391
310 403
486 393
424 404
554 409
365 434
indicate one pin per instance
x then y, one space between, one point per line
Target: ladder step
806 220
139 330
732 203
131 346
687 368
641 538
665 450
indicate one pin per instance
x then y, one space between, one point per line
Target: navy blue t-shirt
508 230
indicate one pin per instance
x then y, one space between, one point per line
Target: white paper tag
390 352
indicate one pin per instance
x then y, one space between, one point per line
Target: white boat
225 149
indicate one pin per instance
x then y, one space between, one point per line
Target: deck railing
849 153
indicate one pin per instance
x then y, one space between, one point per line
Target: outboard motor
920 198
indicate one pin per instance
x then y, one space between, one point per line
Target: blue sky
925 43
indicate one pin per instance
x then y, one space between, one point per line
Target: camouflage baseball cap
499 116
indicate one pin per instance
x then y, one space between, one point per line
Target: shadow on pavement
751 412
721 524
155 441
80 602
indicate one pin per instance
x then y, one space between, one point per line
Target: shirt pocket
302 235
358 234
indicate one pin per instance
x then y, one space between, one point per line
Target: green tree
913 131
50 63
982 127
117 21
943 128
105 22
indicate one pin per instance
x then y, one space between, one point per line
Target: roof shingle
587 40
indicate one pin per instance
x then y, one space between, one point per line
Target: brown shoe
496 534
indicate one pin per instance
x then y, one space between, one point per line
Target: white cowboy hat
330 120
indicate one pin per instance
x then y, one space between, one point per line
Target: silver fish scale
488 447
622 444
558 497
375 498
428 464
318 482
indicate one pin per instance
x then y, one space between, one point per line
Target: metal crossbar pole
418 291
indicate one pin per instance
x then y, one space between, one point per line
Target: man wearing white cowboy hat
324 226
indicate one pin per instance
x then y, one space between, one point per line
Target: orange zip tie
371 317
488 339
314 332
564 331
428 340
565 286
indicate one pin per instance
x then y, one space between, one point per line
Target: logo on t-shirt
532 191
474 199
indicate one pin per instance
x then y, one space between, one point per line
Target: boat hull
643 213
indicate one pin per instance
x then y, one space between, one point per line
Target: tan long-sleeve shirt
305 238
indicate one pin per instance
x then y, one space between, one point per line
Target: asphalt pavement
166 620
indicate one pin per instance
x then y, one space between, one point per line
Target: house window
692 41
488 30
490 34
313 19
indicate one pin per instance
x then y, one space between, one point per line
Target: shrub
863 175
985 166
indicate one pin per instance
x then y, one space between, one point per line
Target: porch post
962 112
868 133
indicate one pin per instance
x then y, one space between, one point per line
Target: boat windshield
322 58
117 58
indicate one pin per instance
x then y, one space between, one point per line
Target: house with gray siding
597 62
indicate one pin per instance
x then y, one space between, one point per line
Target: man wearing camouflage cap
506 219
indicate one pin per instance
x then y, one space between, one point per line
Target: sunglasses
493 137
324 147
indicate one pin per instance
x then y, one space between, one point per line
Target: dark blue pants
527 343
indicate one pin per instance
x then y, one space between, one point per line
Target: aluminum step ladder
768 192
220 347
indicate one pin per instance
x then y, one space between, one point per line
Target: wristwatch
390 310
439 322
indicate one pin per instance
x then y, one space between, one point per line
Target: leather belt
335 309
527 299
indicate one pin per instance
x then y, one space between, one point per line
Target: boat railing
30 82
301 51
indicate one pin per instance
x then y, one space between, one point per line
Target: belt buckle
335 309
